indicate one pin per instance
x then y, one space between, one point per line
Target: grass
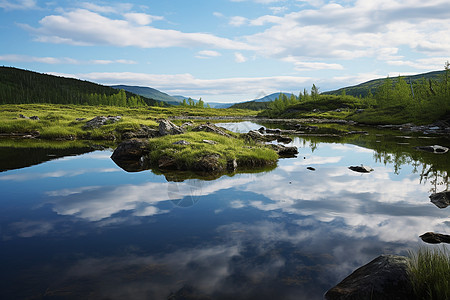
430 273
59 121
186 156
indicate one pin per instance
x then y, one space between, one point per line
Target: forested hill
372 86
19 86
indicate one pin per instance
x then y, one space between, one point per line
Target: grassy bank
430 272
66 121
216 149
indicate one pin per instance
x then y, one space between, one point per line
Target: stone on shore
385 277
168 128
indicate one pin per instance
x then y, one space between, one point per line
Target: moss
190 155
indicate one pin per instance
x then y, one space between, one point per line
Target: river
76 226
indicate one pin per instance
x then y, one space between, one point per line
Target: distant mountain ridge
149 93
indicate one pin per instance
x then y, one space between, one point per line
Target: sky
226 50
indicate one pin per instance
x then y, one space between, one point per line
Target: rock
208 127
361 169
130 150
143 133
433 149
209 142
259 137
209 163
100 121
358 111
385 277
166 162
441 199
168 128
23 117
284 139
130 155
284 151
232 165
181 142
35 118
435 238
311 168
80 119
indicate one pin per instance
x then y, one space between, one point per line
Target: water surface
79 227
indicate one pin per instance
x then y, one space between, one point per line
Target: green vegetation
430 271
60 121
395 101
186 157
20 86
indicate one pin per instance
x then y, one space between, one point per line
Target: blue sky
226 50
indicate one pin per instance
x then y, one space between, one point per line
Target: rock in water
433 149
168 128
361 169
441 199
435 238
385 277
130 150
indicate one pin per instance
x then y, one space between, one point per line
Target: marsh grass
60 121
246 154
430 273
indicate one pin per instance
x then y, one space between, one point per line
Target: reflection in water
95 231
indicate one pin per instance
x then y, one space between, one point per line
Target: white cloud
18 5
204 54
84 27
239 57
62 60
238 21
141 18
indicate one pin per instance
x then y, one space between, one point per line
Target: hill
150 93
19 86
363 89
258 104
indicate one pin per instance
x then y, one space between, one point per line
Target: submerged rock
361 169
168 128
433 149
385 277
441 199
435 238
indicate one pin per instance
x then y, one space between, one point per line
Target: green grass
186 156
59 121
430 273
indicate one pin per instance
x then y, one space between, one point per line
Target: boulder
208 127
256 135
435 238
433 149
168 128
385 277
130 150
144 132
361 169
441 199
209 163
284 151
232 165
130 155
209 142
100 121
35 118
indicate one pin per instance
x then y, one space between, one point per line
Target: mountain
363 89
149 93
19 86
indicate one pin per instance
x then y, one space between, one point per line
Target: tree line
423 95
23 87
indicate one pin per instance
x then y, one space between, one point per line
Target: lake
74 225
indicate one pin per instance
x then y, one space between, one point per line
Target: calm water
79 227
